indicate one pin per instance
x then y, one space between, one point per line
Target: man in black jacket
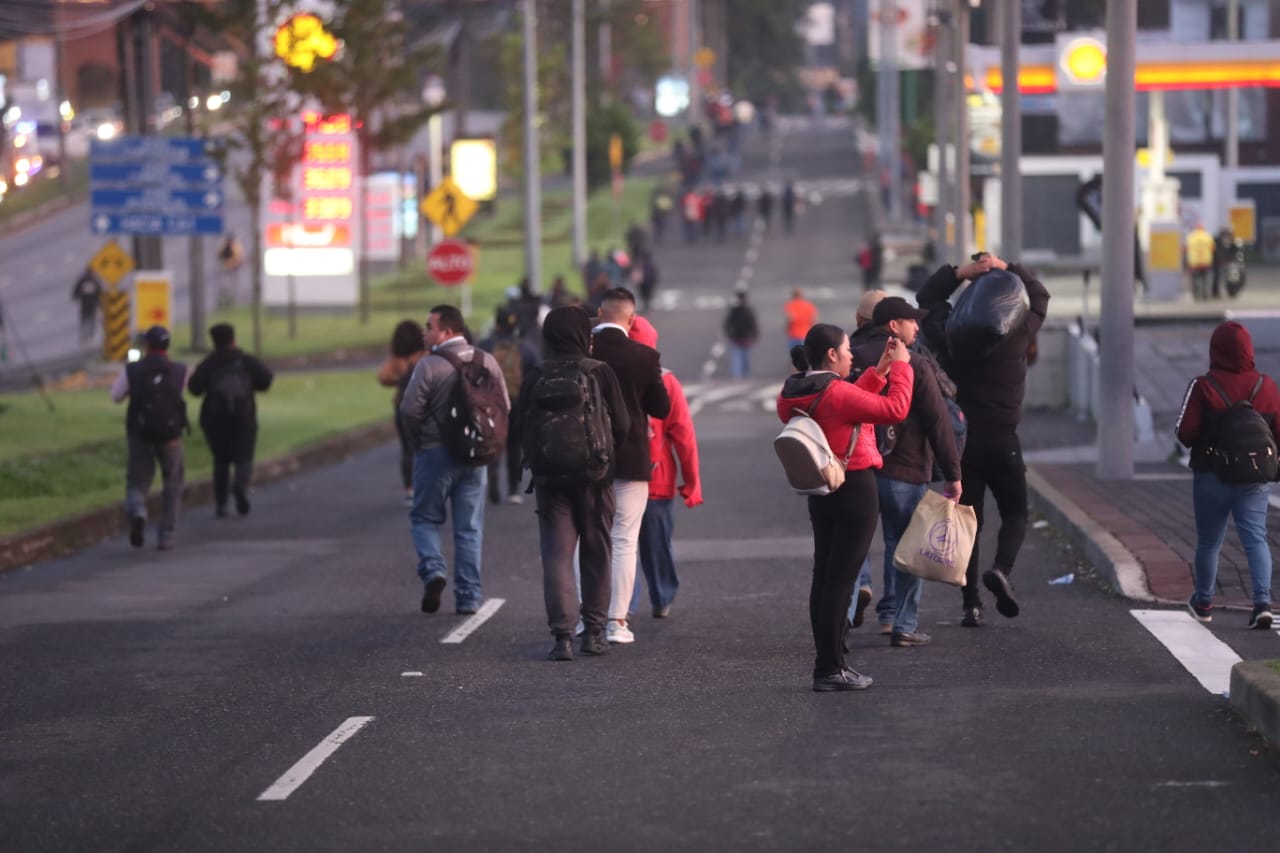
228 378
640 374
577 515
908 464
990 388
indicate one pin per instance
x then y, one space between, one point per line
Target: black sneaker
909 638
137 531
845 679
996 581
563 648
1202 612
972 618
1261 618
242 502
431 594
864 598
220 512
593 642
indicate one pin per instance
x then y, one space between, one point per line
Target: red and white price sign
450 262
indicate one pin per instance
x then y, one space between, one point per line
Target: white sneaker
515 499
579 629
617 632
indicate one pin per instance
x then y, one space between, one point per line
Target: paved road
154 699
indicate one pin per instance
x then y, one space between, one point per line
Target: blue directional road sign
154 186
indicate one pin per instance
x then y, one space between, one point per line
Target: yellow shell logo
302 40
1085 60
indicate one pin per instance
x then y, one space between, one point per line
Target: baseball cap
895 308
157 337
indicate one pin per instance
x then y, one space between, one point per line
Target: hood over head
643 332
567 331
1231 348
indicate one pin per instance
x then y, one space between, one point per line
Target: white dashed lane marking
1196 648
490 607
309 763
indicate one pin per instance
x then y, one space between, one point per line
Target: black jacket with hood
990 389
927 430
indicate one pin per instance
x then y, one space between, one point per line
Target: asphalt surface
151 698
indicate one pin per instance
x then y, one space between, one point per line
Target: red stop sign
449 262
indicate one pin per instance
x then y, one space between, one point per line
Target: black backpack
474 429
1243 448
568 437
158 413
230 393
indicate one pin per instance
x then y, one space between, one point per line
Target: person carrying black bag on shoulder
228 378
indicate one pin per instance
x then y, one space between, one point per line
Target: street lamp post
532 173
433 95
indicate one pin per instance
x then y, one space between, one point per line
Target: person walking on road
801 314
764 206
871 262
639 372
672 442
154 424
844 521
406 348
231 258
441 483
1200 251
925 434
516 359
1203 426
228 378
789 206
990 388
742 330
88 292
575 506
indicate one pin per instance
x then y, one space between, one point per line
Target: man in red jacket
1231 372
671 439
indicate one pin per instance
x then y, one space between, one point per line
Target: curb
71 534
1255 696
1117 564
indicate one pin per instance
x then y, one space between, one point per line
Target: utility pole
579 122
1233 94
60 93
960 125
887 107
943 239
195 259
1115 398
532 175
695 41
1010 133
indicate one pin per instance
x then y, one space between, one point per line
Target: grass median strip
57 464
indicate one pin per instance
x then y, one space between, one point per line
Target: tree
764 48
261 100
376 78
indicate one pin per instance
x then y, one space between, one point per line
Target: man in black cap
154 423
909 450
228 378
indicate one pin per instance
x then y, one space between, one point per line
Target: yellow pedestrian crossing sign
111 263
448 207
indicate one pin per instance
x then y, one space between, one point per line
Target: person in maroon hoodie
1231 370
844 521
671 441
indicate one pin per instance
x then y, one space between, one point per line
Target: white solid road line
490 607
309 763
1196 648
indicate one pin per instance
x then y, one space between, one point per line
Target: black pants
514 456
993 459
843 524
568 517
231 446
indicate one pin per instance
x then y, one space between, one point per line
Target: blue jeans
897 501
1213 501
439 481
740 360
657 559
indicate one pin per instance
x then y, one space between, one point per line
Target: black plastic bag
987 312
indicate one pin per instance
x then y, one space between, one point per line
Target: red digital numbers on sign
327 171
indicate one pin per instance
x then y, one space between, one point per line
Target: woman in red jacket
843 521
1231 370
671 441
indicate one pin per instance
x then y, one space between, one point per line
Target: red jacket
847 404
671 439
1231 365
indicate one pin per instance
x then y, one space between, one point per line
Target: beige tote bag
938 540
